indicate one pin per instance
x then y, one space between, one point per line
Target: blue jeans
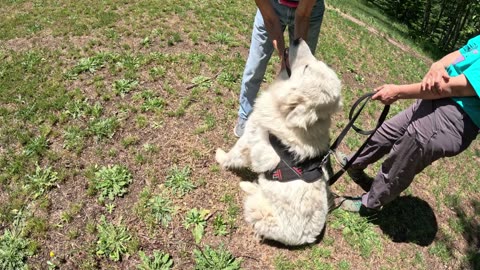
261 49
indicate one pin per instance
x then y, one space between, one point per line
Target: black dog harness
288 169
310 170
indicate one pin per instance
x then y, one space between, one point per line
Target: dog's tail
249 187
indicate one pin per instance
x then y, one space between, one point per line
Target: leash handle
365 98
353 115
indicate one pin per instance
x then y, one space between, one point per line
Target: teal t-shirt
469 65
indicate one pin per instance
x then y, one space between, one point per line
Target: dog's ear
299 114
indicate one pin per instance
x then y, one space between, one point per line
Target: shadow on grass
471 233
408 219
279 245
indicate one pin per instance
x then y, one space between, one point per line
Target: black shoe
361 178
369 213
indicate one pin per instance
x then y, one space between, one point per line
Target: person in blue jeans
303 19
442 123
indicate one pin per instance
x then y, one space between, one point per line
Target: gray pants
413 139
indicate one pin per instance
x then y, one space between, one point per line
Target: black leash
353 115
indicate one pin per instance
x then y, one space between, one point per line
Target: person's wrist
438 65
396 90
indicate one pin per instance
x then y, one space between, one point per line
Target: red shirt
288 3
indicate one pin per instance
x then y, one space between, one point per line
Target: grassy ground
110 114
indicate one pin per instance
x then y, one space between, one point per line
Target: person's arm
272 24
437 73
453 87
302 18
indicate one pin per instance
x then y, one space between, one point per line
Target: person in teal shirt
443 122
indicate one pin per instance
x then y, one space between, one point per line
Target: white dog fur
297 110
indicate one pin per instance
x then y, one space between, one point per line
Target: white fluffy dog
297 111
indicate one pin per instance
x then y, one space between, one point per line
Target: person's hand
434 78
387 94
279 46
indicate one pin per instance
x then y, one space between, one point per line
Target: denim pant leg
437 129
261 49
316 19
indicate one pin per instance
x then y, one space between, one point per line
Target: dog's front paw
220 157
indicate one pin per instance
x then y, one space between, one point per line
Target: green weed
220 225
219 258
111 181
223 38
36 146
35 227
202 81
73 233
209 124
358 232
344 265
146 42
179 180
74 139
141 121
150 148
124 86
173 38
151 102
14 250
157 72
103 128
77 109
41 181
232 210
158 261
316 259
282 263
73 210
440 250
31 61
161 209
110 207
155 209
113 240
89 64
228 79
197 219
129 141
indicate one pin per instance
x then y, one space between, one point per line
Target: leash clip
325 158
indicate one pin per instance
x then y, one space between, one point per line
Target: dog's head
313 89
